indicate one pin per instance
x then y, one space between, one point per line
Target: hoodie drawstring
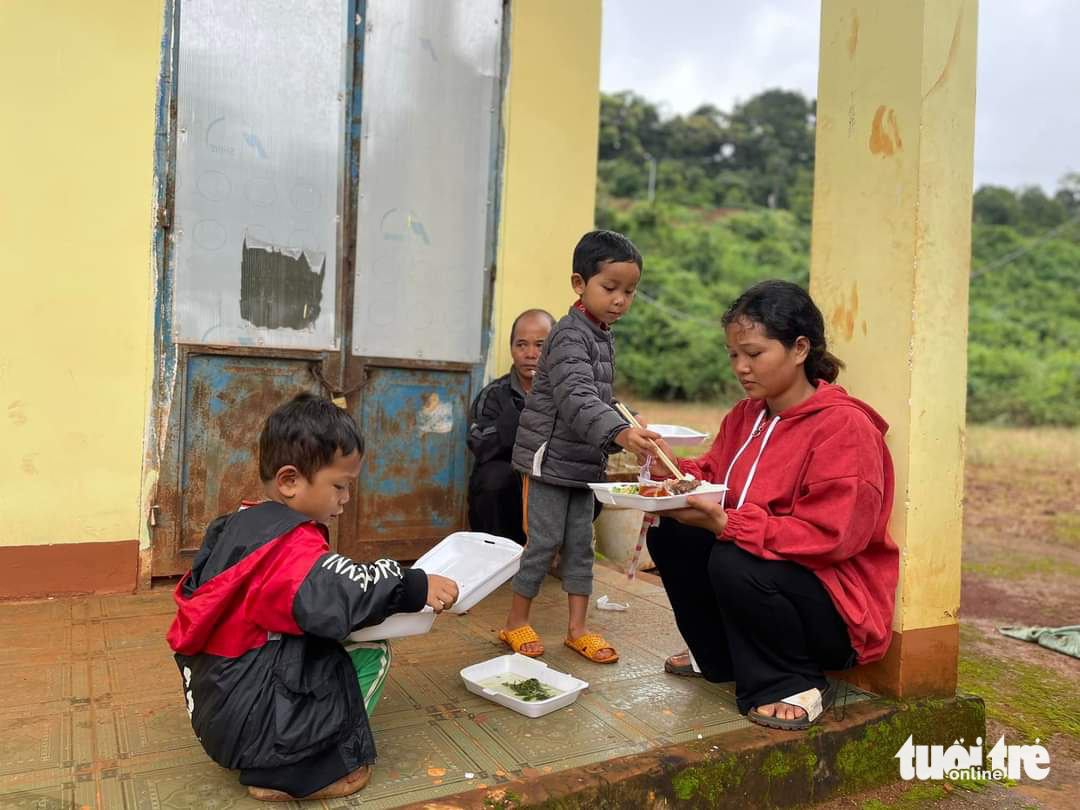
753 468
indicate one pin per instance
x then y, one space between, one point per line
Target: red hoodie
820 496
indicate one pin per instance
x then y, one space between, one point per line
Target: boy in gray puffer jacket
566 432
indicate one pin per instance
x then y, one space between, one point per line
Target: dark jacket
494 419
257 634
568 426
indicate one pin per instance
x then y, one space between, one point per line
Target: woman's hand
702 512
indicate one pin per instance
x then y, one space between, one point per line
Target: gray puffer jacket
568 426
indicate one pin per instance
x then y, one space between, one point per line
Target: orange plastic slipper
589 645
519 637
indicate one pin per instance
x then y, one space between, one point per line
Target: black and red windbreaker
257 635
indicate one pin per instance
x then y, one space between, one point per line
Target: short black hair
600 247
543 313
787 312
306 432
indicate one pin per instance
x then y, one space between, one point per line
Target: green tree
1068 193
629 127
1024 320
771 137
996 205
1039 212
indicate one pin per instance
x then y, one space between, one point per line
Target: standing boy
566 432
262 615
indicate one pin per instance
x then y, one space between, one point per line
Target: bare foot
782 711
345 786
680 659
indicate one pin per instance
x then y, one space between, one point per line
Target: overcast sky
686 52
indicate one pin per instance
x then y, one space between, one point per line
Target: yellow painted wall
551 117
890 259
76 349
77 89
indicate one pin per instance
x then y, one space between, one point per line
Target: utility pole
652 177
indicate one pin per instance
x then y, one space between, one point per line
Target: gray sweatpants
559 518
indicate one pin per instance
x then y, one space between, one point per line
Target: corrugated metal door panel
226 400
412 487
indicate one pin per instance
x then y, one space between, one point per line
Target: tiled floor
91 714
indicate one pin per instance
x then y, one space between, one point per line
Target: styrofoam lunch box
678 435
519 667
479 563
604 494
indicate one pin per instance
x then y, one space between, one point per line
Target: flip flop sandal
589 645
519 637
685 670
813 701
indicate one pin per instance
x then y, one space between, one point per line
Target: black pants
768 625
495 501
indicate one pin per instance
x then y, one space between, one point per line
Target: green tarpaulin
1060 639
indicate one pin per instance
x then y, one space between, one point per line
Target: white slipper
812 701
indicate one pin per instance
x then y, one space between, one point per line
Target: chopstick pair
672 468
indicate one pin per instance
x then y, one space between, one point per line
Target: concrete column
891 251
551 121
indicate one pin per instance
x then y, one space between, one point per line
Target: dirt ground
1021 566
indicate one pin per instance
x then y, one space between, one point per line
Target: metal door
327 170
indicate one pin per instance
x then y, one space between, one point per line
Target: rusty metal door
413 476
327 171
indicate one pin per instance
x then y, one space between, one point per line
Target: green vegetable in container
529 689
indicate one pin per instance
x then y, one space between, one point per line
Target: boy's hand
637 440
441 592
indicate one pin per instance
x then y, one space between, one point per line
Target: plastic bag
603 603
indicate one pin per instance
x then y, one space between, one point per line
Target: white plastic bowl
520 666
678 435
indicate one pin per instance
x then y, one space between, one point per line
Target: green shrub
1024 321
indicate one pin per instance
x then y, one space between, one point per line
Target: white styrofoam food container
479 563
604 494
678 435
518 667
398 625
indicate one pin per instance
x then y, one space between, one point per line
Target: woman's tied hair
787 312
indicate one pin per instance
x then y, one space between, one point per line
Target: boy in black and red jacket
266 606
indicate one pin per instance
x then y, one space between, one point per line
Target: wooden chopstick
672 468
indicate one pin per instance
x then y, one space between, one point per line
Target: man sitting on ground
494 488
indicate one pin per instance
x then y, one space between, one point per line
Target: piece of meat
676 487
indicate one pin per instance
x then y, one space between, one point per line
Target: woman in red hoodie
794 573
